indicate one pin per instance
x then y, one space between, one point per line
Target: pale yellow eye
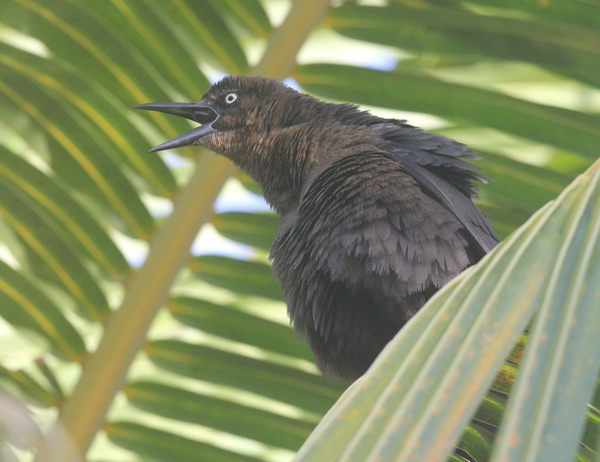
230 98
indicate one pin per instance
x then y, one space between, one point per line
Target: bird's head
234 107
269 130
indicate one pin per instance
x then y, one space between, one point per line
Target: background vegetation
194 358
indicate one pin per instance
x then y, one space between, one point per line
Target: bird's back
376 215
375 235
437 164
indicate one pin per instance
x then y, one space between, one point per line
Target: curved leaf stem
105 371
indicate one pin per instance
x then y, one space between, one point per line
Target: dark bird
376 215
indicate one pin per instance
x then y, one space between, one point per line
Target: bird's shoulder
366 222
443 156
360 254
437 164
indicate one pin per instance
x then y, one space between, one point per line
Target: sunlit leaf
196 22
74 220
222 415
255 229
127 142
573 51
27 386
571 130
293 386
49 247
249 13
78 164
234 324
164 446
430 377
22 304
248 277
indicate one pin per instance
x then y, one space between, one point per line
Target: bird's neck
284 161
275 159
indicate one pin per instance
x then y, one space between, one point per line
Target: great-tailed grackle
376 215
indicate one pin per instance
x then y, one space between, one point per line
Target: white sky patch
569 95
277 11
290 82
213 75
235 198
7 256
19 346
344 50
248 202
23 42
418 119
174 160
379 60
159 207
210 242
135 251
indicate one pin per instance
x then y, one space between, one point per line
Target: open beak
197 112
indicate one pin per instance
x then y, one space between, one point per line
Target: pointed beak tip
200 113
187 139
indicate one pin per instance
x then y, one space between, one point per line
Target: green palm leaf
219 375
430 378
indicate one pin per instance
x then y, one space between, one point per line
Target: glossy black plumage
376 215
